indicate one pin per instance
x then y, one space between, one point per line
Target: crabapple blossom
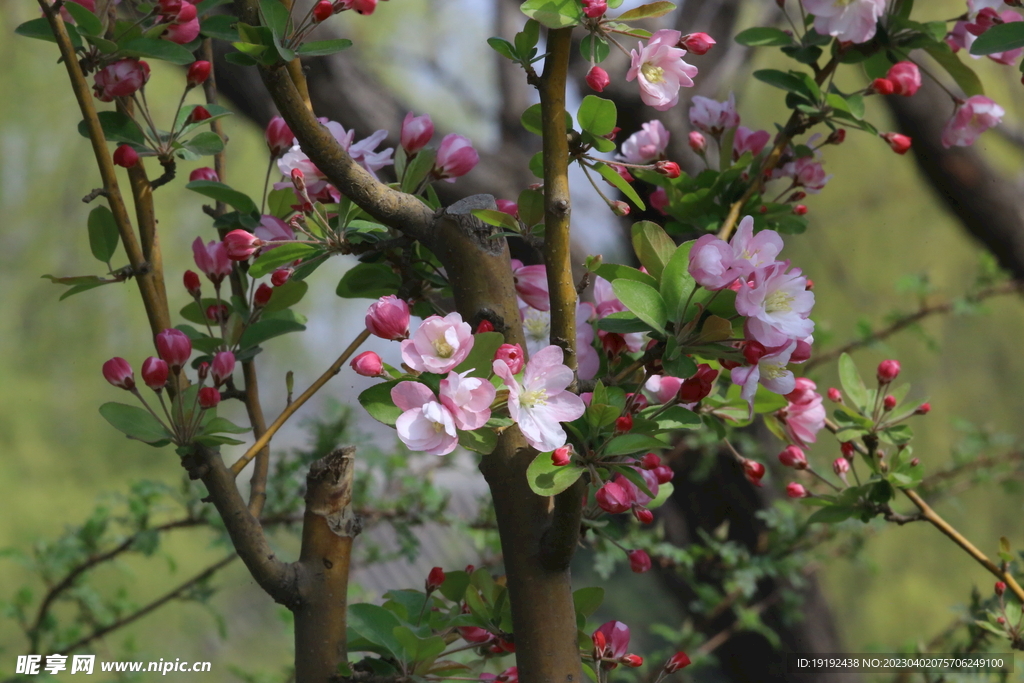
770 371
646 145
660 70
425 424
416 132
972 117
697 143
368 364
154 373
540 403
659 200
639 561
185 28
439 344
222 367
531 284
388 318
712 117
804 412
508 206
455 157
512 356
198 72
897 142
697 43
747 140
606 303
262 295
241 244
616 635
279 137
715 264
118 372
204 173
120 79
905 78
793 456
699 386
651 461
848 20
537 328
594 8
174 347
663 387
598 79
468 399
807 173
777 306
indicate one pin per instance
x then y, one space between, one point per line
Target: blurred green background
875 224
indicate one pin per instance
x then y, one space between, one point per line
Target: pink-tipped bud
889 402
669 169
484 326
203 371
595 8
223 366
174 347
898 143
561 456
416 133
623 424
793 456
620 208
262 296
281 276
800 209
512 355
753 351
698 143
632 661
613 498
508 206
753 471
888 370
198 72
368 364
279 137
651 461
192 283
697 43
434 579
118 372
323 10
125 156
455 157
835 395
1000 587
923 409
841 466
664 473
678 661
795 490
218 313
639 561
623 173
388 318
905 78
836 137
642 514
154 373
639 402
847 449
882 86
915 462
598 79
209 397
241 244
204 173
198 115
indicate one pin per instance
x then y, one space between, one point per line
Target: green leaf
376 625
40 30
531 207
482 440
833 514
377 402
653 247
117 127
642 300
609 174
597 115
280 255
497 218
676 282
649 11
240 58
454 586
206 143
594 49
790 82
635 478
223 193
155 48
961 73
554 13
418 169
586 601
613 271
87 23
853 385
999 38
763 36
533 122
136 422
261 331
322 48
220 424
368 281
627 444
548 479
480 358
220 26
503 48
677 417
664 493
622 322
285 296
103 234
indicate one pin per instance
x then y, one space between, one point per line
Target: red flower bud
323 10
204 173
203 370
118 372
669 169
198 114
279 137
753 351
512 355
280 276
388 318
697 43
697 142
154 373
561 456
1000 620
651 461
125 156
754 471
623 423
632 661
192 283
613 498
1000 587
835 395
836 137
841 466
174 347
241 244
595 8
889 402
793 456
620 208
262 296
898 143
368 364
639 402
800 210
639 561
434 579
223 366
883 86
218 313
848 449
795 490
888 370
485 326
642 514
198 72
600 644
664 473
598 79
209 397
923 409
678 661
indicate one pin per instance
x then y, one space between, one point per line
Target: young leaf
285 296
117 127
609 174
497 218
263 330
676 282
368 281
103 234
503 48
642 300
554 13
649 11
653 247
376 625
479 360
763 36
156 48
87 23
853 385
40 29
136 422
548 479
481 440
999 38
961 73
377 402
627 444
597 115
223 193
322 48
270 260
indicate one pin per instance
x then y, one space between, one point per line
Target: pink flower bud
754 471
697 43
434 579
192 283
183 30
632 661
623 424
222 367
175 347
186 14
923 409
241 244
154 373
364 7
598 79
1000 587
1001 620
262 296
669 169
651 461
484 326
600 644
889 402
125 156
620 208
204 173
323 10
841 466
898 143
793 456
198 114
416 132
639 402
883 86
455 157
120 79
368 364
595 8
802 352
753 351
279 137
697 142
198 72
280 276
888 370
847 449
614 498
664 473
836 137
795 490
642 514
561 456
835 395
209 397
388 318
203 371
905 78
915 462
678 661
508 206
800 210
512 355
119 373
218 313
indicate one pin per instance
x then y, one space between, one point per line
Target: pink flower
241 244
639 561
279 137
512 356
972 118
222 367
805 413
273 229
204 173
806 172
118 372
777 306
154 373
120 79
770 371
848 20
364 154
598 79
455 157
388 318
416 132
425 425
185 27
716 265
616 635
468 399
714 117
368 364
661 70
659 200
439 344
906 77
174 347
646 145
614 498
747 140
637 496
531 285
541 403
663 387
475 634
